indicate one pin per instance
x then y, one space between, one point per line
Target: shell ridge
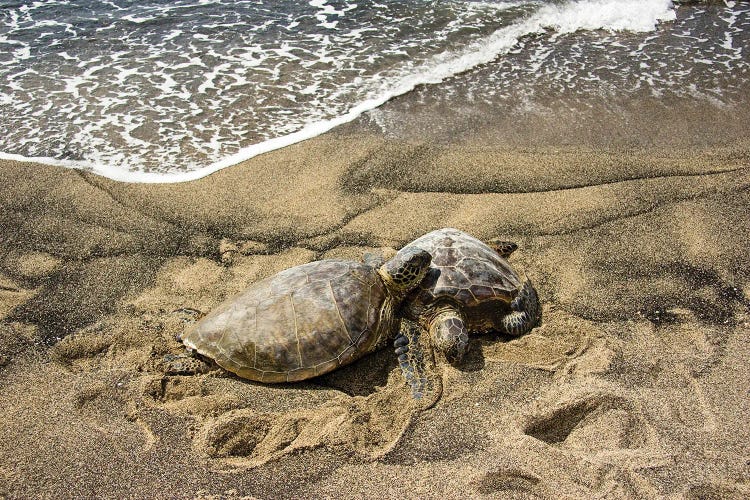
255 344
220 343
244 345
296 330
338 313
237 357
369 306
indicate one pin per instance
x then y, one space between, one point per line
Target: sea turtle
307 320
470 286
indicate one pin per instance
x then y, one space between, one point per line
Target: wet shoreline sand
635 385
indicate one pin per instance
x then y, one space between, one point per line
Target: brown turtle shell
467 274
297 324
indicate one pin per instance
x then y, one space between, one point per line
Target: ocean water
168 91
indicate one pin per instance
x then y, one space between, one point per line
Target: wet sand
634 386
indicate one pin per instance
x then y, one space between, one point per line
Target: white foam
172 35
611 15
136 19
22 53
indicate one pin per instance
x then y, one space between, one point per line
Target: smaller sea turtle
307 320
470 287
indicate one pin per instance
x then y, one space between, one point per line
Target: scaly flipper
526 311
417 364
504 248
183 364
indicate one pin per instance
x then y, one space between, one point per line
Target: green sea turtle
470 286
307 320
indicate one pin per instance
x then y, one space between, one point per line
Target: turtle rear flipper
526 311
418 365
183 364
502 247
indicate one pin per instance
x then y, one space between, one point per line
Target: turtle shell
297 324
466 273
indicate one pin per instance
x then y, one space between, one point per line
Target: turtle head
405 270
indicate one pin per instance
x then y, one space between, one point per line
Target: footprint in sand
511 481
592 422
246 434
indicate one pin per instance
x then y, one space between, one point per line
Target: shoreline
631 127
633 386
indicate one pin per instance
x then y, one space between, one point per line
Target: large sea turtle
470 286
309 319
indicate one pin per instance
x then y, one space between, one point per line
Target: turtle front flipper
418 365
526 314
504 248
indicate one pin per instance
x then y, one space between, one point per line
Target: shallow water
170 91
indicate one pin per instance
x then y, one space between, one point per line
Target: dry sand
636 385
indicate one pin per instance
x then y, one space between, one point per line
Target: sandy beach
634 386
